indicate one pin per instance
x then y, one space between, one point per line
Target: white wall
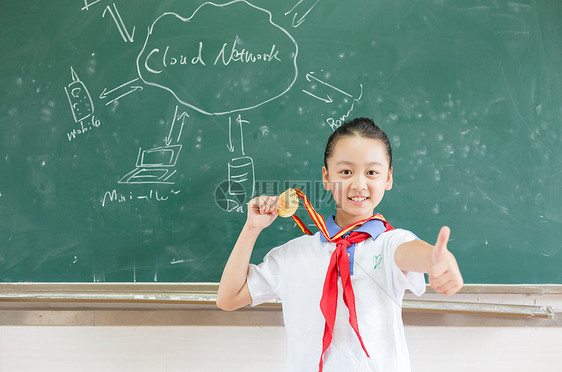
470 349
216 348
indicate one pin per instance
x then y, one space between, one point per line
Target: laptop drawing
155 165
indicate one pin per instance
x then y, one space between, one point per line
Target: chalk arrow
104 93
229 146
74 75
329 100
296 23
176 118
310 76
119 23
132 88
87 5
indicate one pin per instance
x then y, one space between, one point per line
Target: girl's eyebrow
344 162
347 162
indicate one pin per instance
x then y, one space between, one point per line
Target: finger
447 286
440 268
259 203
450 282
271 206
262 202
441 245
254 204
438 281
453 290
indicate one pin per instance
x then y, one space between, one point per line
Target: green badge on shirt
378 260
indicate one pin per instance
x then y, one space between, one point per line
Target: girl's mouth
358 200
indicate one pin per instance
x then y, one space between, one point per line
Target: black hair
363 127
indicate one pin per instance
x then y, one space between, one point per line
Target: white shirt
295 273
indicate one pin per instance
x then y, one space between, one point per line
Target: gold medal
289 203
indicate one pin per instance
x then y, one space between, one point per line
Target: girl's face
358 174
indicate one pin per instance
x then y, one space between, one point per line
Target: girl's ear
325 180
388 184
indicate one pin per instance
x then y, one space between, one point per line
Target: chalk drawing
81 106
127 88
259 63
296 23
119 23
241 173
336 123
87 5
240 122
312 78
232 194
113 196
157 165
154 165
176 129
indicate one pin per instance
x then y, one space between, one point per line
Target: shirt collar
372 227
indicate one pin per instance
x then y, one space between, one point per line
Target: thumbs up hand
444 274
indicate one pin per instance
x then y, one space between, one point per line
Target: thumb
441 245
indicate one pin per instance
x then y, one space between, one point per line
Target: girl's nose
359 182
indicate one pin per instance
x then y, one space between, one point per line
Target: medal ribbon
321 223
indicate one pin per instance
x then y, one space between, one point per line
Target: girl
342 296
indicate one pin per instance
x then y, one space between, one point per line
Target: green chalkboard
132 134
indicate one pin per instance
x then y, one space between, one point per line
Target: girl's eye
346 172
372 173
